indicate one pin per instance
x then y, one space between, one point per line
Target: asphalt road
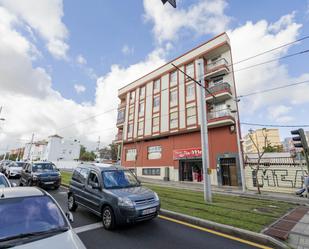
155 234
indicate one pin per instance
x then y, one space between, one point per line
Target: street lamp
240 156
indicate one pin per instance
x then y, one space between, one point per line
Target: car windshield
43 167
119 179
20 164
29 215
3 182
15 165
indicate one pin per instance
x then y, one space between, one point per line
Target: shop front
190 164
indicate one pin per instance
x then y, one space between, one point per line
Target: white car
4 182
14 169
31 219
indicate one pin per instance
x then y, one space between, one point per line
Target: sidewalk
228 190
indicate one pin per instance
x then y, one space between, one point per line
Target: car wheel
56 187
71 203
108 218
20 183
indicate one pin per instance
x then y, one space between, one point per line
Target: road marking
215 232
88 227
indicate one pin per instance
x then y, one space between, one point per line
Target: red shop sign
187 153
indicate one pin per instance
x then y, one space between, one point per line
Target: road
158 233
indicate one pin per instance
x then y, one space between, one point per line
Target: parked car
42 174
3 165
4 182
113 193
14 169
31 219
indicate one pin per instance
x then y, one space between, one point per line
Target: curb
230 230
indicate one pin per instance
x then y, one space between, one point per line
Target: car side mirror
69 215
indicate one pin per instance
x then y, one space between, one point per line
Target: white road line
88 227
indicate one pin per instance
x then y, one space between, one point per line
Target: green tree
114 151
13 157
275 148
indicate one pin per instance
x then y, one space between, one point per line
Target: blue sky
68 58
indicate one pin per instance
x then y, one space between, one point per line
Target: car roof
101 166
17 192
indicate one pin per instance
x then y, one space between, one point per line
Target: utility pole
204 133
28 156
240 154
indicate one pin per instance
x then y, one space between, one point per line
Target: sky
62 62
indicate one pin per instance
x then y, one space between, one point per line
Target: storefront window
152 171
154 152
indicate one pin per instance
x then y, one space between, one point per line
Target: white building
54 149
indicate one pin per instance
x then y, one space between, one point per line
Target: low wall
276 178
66 164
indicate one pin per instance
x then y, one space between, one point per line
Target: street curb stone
230 230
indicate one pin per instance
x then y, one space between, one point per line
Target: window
117 179
173 78
190 91
141 109
130 130
156 103
83 175
132 96
151 172
93 179
173 120
190 71
191 115
216 81
173 97
131 155
142 92
154 152
140 128
156 85
131 112
155 124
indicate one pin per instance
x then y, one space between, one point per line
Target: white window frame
154 152
174 120
192 91
131 154
141 108
130 131
156 85
140 131
156 107
155 128
173 78
191 118
191 72
175 101
142 92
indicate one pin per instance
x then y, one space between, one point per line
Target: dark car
113 193
41 174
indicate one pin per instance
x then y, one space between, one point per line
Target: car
31 219
42 174
14 169
3 165
4 182
113 193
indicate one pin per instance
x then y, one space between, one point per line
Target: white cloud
279 113
126 50
44 17
79 88
81 60
205 17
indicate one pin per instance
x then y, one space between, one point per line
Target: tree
13 157
275 148
114 151
260 153
82 151
86 155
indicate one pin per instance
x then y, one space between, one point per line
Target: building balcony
118 138
220 118
218 67
120 117
221 91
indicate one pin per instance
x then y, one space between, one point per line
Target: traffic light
300 140
172 2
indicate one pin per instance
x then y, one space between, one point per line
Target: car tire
108 218
56 187
72 205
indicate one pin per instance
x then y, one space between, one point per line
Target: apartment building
273 139
159 122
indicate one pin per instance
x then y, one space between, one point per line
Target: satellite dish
172 2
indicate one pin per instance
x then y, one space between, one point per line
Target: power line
270 50
273 125
273 89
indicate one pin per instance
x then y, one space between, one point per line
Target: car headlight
156 197
125 202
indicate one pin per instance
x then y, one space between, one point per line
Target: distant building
287 144
257 136
19 152
54 149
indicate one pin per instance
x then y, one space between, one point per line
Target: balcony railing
217 63
118 136
121 116
220 88
219 114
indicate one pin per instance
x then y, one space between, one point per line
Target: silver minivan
113 193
